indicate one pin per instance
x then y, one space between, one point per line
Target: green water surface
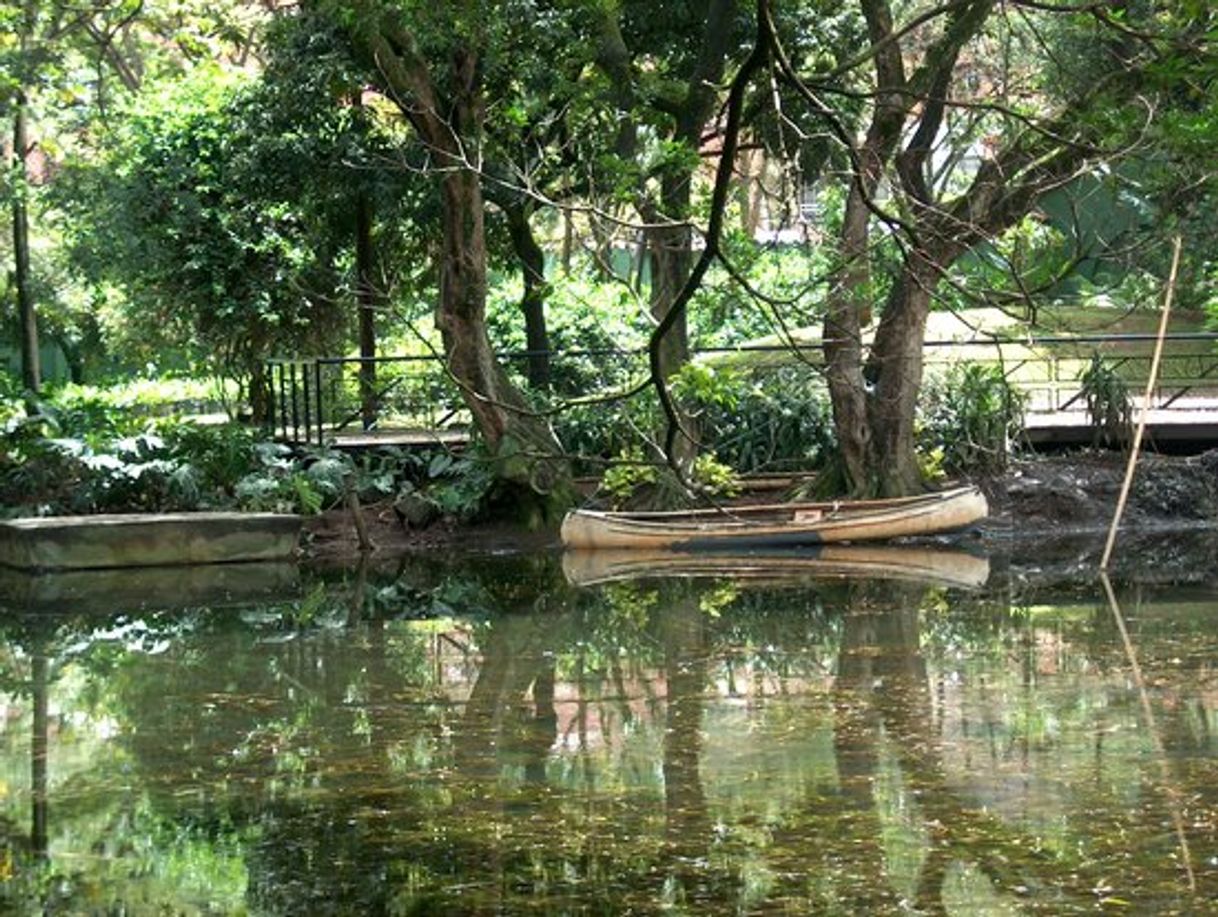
480 736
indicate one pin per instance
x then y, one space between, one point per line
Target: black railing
321 399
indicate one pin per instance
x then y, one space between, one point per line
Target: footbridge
409 401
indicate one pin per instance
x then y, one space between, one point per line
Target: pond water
481 735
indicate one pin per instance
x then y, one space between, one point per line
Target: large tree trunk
523 443
670 254
31 366
670 248
533 300
895 364
849 310
687 820
850 304
527 454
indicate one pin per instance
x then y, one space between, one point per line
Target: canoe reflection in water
888 562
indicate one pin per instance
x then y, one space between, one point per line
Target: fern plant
969 420
1109 405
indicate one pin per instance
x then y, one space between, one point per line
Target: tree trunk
365 296
31 367
527 454
259 394
687 821
895 365
533 301
526 450
39 755
670 253
849 308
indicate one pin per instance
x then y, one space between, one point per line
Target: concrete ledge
90 542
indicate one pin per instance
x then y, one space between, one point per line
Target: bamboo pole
1151 379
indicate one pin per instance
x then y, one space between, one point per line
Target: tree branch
723 180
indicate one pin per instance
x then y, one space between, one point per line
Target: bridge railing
1051 370
321 399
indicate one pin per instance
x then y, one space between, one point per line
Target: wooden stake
357 517
1151 379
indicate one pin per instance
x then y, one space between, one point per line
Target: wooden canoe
783 566
776 525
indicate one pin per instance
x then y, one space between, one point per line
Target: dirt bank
1041 497
1078 492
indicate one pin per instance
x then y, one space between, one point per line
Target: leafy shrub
181 467
220 455
970 417
781 422
764 420
1108 401
634 482
36 474
100 414
628 474
284 482
595 433
289 491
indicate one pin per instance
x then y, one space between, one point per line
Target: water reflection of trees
558 749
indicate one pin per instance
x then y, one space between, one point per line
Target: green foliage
702 384
169 466
201 253
593 327
284 481
34 470
969 418
779 421
632 481
595 432
714 477
1015 271
1108 401
771 419
460 486
627 474
725 313
224 211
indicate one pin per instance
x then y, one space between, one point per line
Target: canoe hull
768 527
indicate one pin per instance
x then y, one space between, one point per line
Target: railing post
306 387
268 422
295 406
317 395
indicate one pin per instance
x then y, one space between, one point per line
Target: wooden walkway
1188 421
406 438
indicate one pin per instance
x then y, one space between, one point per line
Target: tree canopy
222 185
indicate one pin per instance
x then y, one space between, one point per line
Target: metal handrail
299 404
